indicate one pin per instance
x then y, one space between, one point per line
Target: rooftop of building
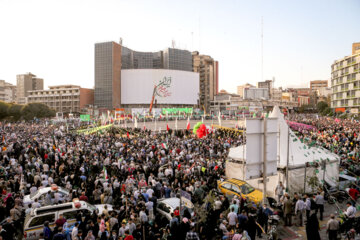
63 86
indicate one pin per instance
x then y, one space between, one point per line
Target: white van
34 222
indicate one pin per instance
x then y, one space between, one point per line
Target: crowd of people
131 172
132 169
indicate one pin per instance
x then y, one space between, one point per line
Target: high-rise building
170 58
240 89
107 75
7 92
111 58
177 59
141 60
63 98
208 70
24 84
345 82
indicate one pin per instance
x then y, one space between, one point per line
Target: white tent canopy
298 155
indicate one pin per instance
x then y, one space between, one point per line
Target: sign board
85 118
255 147
176 110
354 110
339 109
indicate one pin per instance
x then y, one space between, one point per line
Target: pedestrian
47 231
312 228
288 211
299 210
319 200
307 206
279 191
232 218
192 235
332 227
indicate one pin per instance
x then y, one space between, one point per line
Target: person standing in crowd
350 214
307 206
354 194
192 235
232 217
319 200
299 210
312 228
288 211
279 191
47 231
332 227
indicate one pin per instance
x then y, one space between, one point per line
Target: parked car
235 187
41 193
167 206
34 222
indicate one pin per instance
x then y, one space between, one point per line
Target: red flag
167 127
188 125
128 135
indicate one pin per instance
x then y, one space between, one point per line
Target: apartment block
240 89
63 98
345 83
7 92
208 70
25 83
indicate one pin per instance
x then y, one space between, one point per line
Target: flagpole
155 124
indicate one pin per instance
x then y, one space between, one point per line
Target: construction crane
152 99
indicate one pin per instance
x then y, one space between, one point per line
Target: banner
85 118
93 130
176 110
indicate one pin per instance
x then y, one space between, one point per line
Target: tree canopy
29 111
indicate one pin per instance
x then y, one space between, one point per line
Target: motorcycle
273 222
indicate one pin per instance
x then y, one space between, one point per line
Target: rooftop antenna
120 41
192 41
173 43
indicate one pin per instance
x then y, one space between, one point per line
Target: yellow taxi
240 188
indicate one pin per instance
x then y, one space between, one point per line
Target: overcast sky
55 39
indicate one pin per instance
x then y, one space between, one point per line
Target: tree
3 109
321 106
36 110
15 111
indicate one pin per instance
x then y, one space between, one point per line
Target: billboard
169 86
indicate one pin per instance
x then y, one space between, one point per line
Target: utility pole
264 163
262 49
287 160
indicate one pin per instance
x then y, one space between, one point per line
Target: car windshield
246 188
91 207
33 194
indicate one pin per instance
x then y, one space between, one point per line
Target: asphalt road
294 232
